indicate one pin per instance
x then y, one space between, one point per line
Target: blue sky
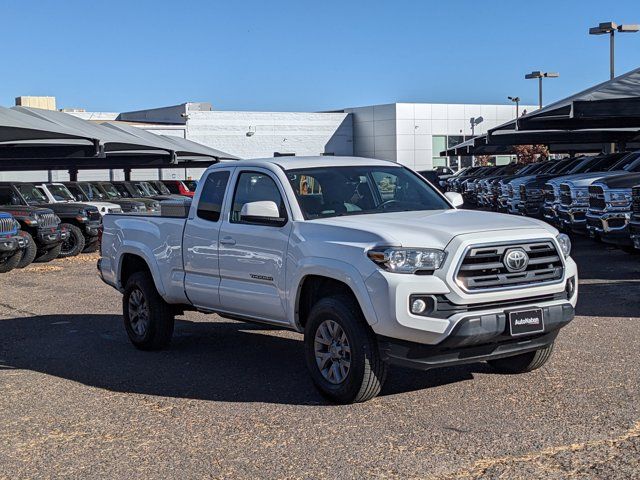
300 55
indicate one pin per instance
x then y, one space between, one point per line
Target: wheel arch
134 260
315 282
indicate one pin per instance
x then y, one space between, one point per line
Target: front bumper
92 228
9 244
573 218
421 357
451 307
611 227
48 236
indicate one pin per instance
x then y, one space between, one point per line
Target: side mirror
455 198
263 212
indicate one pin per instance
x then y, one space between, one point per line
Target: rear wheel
341 351
74 244
94 246
522 363
148 319
49 255
9 263
30 252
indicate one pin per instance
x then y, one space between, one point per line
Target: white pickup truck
364 257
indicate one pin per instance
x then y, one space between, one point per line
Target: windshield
191 184
60 193
162 188
31 194
92 192
78 192
147 188
109 190
340 191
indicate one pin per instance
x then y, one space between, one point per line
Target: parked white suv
57 192
364 257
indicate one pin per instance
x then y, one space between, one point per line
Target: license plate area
525 322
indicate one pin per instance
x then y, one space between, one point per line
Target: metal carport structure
35 139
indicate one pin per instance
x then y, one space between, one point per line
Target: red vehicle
177 187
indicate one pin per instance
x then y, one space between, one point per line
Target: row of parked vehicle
594 195
41 222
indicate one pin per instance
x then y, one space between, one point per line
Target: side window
256 187
212 196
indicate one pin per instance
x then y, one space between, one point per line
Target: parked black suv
40 226
114 193
94 192
81 220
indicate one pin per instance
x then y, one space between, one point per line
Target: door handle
227 241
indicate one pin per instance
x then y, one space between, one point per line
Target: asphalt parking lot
234 400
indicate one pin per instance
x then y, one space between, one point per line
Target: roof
17 126
602 103
289 163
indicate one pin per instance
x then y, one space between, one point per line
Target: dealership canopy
608 105
36 139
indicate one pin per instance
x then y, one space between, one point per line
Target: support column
127 174
73 174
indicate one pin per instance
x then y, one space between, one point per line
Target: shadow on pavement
218 361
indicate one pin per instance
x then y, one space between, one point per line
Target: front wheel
148 319
9 263
30 251
523 363
73 245
49 255
341 352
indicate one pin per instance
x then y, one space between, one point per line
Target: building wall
404 132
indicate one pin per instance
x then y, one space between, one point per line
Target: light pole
475 121
516 100
540 75
611 28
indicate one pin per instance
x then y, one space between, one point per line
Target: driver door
253 253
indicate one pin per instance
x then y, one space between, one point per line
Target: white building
412 134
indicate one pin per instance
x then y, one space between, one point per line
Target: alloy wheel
138 312
332 352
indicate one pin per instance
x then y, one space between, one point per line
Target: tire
29 253
49 255
9 263
522 363
365 374
148 319
74 244
92 247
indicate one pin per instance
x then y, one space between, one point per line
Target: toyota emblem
516 260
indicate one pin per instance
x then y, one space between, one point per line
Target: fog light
418 306
571 287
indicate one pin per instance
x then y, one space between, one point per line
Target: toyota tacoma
364 257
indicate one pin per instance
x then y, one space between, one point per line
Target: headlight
620 199
565 244
407 260
582 194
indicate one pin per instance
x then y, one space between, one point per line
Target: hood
70 208
628 180
588 178
23 211
572 178
432 229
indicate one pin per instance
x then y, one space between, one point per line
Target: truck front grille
47 220
549 194
93 215
635 195
484 267
596 198
7 225
565 195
